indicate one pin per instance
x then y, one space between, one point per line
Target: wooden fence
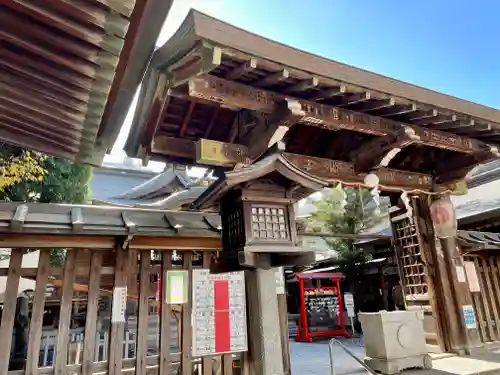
146 343
487 300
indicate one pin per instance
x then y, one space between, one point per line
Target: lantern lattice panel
233 227
409 252
269 223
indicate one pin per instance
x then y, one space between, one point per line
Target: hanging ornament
409 209
443 217
371 180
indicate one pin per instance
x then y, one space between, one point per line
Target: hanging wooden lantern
444 218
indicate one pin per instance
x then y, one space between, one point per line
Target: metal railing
334 341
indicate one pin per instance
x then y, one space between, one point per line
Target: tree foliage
62 182
17 166
32 177
358 214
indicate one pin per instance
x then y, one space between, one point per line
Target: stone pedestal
395 341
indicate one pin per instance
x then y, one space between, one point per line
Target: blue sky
445 45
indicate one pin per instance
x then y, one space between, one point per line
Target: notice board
219 313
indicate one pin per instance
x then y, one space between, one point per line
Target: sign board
470 271
119 304
469 316
349 304
460 274
280 281
176 288
219 313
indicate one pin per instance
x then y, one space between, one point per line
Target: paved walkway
313 359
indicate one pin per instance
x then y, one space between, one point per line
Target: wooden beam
200 60
320 115
160 102
187 117
273 78
304 85
271 129
172 146
377 104
48 241
380 151
222 154
240 70
330 92
398 110
356 98
335 170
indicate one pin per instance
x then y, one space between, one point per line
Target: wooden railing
145 344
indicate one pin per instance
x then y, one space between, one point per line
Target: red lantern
443 218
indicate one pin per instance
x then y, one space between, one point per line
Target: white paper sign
461 274
469 316
219 313
470 270
177 286
349 304
119 304
280 281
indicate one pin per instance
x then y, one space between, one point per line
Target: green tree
345 216
46 179
17 166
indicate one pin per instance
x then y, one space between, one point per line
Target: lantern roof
274 166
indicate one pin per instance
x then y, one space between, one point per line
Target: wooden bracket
378 152
270 129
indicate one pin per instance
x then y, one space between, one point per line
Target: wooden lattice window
233 227
406 238
269 223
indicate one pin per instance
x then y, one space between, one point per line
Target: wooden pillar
462 339
447 282
264 333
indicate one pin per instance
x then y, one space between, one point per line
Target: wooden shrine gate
57 315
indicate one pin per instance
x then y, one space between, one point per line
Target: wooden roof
214 81
64 225
69 70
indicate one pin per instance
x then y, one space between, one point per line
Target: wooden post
450 286
91 317
117 328
65 313
461 294
35 334
264 334
9 311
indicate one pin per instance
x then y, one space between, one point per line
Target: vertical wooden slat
65 313
186 358
207 361
488 273
35 335
143 318
478 306
486 305
92 308
9 310
166 316
116 334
